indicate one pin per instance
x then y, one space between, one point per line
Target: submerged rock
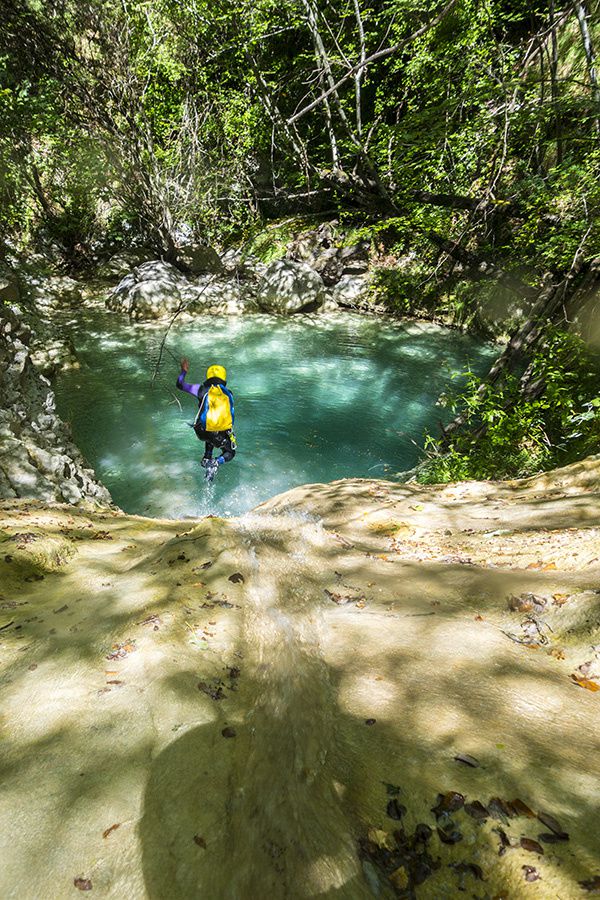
289 287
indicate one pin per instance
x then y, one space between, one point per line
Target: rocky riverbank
313 273
37 455
361 689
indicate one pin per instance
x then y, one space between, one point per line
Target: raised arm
182 383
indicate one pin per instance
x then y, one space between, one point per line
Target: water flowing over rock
37 456
289 287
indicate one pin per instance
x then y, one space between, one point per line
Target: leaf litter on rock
448 802
213 689
531 845
467 760
477 811
586 683
553 824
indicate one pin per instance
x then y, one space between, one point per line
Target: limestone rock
243 265
351 290
37 456
151 291
50 292
201 259
220 296
289 287
123 262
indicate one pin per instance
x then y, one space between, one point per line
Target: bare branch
380 54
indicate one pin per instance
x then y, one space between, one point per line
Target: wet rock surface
37 456
320 698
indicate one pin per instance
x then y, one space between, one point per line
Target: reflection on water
316 399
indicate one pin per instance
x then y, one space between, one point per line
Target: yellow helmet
217 372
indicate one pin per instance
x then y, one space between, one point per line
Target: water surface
317 398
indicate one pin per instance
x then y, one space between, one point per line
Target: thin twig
182 306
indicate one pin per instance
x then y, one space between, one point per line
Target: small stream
317 399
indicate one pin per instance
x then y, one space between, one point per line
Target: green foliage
558 425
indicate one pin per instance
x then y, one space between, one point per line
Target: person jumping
214 422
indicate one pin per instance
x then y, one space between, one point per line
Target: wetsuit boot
211 467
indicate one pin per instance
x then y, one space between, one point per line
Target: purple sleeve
184 386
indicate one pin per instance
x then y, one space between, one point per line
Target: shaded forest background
461 136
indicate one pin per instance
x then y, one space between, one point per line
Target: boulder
242 265
123 262
200 259
220 296
151 291
289 287
351 290
50 292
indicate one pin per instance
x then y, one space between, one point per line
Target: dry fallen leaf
467 760
522 809
585 683
553 824
531 845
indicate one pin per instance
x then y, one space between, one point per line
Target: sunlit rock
150 291
289 287
37 457
351 290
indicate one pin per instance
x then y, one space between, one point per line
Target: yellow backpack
216 410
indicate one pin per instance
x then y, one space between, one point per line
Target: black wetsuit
223 440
